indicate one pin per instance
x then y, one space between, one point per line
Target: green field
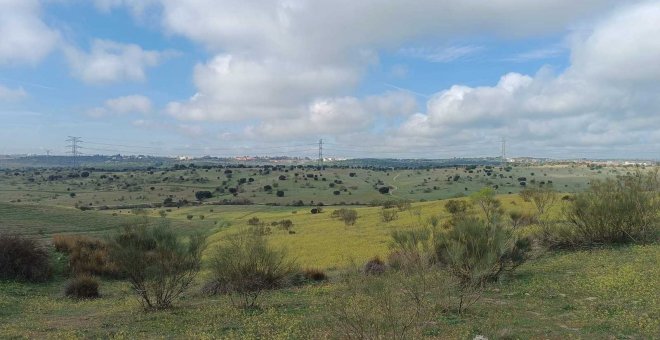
309 185
598 293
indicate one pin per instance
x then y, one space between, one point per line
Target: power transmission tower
320 160
75 145
503 157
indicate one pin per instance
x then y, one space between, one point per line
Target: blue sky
385 79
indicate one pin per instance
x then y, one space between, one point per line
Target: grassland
63 187
599 293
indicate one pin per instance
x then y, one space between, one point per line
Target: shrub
384 190
476 252
391 306
388 215
614 211
434 220
87 255
280 193
349 216
411 249
520 219
159 265
403 205
261 230
286 224
254 221
457 207
308 275
202 195
245 266
375 266
23 259
82 287
543 198
490 206
314 274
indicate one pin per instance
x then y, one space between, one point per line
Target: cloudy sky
396 78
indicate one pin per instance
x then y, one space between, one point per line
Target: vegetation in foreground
595 289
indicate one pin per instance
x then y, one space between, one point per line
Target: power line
320 161
503 159
75 141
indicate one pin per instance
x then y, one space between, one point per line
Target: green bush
349 216
23 259
457 207
411 249
476 252
159 265
245 265
388 215
614 211
82 287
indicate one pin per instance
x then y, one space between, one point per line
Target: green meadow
599 293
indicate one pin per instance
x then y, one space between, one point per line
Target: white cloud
123 105
329 116
274 59
393 103
7 94
25 38
318 30
625 48
336 116
110 61
288 68
608 95
232 89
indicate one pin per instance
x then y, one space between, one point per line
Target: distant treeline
129 163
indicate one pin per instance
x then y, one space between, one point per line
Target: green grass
101 188
601 293
605 293
44 221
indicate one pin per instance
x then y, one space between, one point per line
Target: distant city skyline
401 79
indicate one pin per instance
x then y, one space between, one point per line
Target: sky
371 78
